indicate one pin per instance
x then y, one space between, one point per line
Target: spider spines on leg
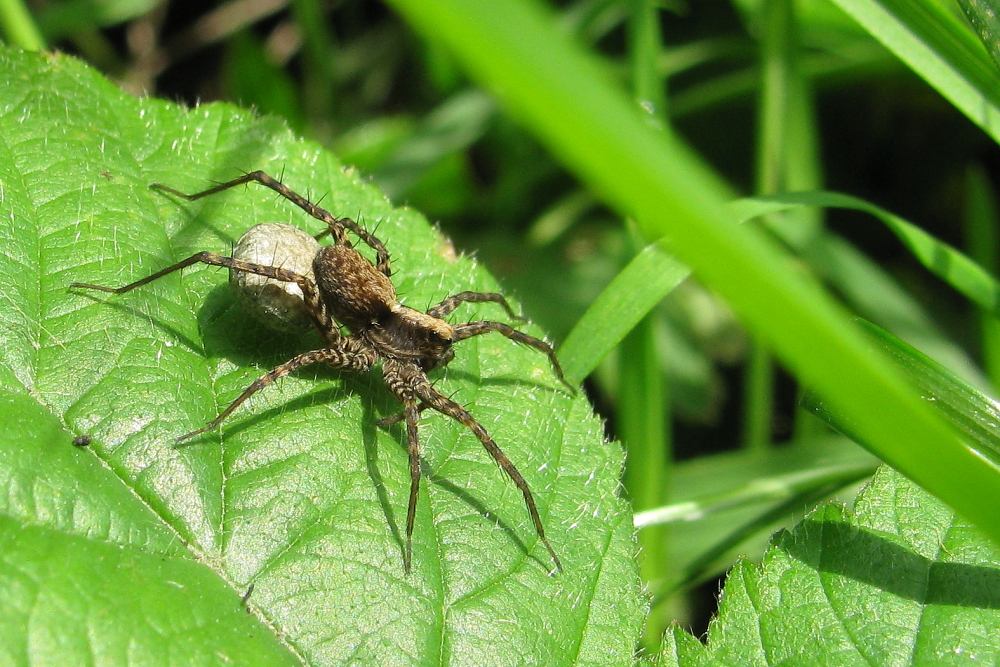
187 436
100 288
471 329
552 553
448 306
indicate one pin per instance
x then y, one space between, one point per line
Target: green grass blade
653 274
19 27
940 48
759 491
642 407
642 284
982 238
984 15
944 261
515 48
971 412
57 20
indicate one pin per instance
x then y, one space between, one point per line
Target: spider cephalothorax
350 290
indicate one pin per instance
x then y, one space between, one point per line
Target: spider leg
412 415
336 225
463 331
451 303
327 328
347 354
446 406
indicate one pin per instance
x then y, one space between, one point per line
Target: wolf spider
350 290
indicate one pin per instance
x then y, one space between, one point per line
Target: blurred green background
701 407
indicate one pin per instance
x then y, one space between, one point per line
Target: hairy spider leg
452 302
407 380
345 354
336 225
324 323
470 329
395 419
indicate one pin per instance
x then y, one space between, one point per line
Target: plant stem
19 27
981 238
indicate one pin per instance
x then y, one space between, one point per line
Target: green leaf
897 581
137 550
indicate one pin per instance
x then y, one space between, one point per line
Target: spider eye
439 335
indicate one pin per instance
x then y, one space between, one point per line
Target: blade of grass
716 475
514 48
971 412
777 64
650 276
984 15
938 257
642 397
18 26
653 274
757 492
940 49
320 84
982 238
701 568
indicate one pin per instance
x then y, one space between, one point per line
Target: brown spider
350 290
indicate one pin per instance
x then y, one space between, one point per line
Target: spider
348 289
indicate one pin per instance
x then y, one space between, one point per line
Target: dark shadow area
856 553
370 436
230 333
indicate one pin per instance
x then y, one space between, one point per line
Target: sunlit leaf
134 550
899 580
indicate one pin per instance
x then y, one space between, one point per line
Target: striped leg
464 331
452 302
336 225
407 382
310 294
347 354
412 415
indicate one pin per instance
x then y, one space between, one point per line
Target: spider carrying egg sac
275 304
